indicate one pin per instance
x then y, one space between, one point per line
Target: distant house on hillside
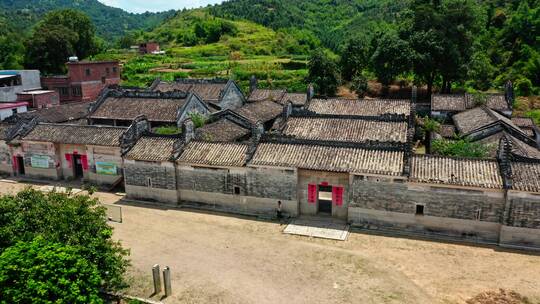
220 94
84 81
149 48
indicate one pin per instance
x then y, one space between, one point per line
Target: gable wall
232 99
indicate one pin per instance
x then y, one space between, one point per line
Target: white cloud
141 6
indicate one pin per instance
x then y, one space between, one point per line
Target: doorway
20 165
77 166
325 200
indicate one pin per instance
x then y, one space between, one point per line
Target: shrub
167 130
359 84
459 148
523 87
198 119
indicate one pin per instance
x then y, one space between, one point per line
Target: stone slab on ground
59 189
319 228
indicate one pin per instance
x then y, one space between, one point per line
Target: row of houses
348 159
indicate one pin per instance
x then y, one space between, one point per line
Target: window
236 190
478 214
114 70
13 111
63 91
76 91
107 71
88 72
419 209
149 182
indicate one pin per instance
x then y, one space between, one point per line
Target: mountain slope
110 22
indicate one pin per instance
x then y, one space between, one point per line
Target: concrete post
167 280
157 279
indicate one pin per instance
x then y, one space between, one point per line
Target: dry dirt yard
217 258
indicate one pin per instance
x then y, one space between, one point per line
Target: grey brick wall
232 98
525 212
271 183
162 177
438 201
204 180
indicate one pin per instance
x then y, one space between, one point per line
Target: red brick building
84 81
148 47
39 99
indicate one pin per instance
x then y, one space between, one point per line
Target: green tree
74 220
323 73
60 34
392 57
39 271
459 148
355 58
359 84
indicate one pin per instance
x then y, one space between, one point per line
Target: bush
39 271
167 130
198 119
459 148
523 87
359 84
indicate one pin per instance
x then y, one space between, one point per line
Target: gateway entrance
325 200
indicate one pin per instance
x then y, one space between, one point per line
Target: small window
76 91
114 70
63 91
149 182
419 209
236 190
478 214
107 71
13 111
88 72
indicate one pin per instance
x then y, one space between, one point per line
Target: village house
84 80
225 126
280 96
150 47
13 82
219 94
63 151
39 99
73 113
8 109
120 108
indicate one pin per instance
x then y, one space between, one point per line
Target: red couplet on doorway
337 196
312 193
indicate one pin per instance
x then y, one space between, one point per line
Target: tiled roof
58 114
444 102
209 90
260 110
360 107
462 102
525 176
347 130
447 131
128 108
523 121
297 99
152 149
471 120
76 134
214 154
456 171
265 94
523 149
326 158
222 130
3 130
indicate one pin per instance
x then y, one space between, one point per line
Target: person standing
278 211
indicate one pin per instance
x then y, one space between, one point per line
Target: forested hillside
110 22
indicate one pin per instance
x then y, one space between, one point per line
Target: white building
17 81
8 109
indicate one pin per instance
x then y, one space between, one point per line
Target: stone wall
524 210
156 175
40 160
465 213
306 177
6 165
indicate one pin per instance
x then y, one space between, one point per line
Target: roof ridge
454 157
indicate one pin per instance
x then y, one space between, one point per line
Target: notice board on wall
39 161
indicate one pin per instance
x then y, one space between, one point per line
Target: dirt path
217 258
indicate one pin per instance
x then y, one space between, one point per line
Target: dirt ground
217 258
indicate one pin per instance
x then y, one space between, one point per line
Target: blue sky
141 6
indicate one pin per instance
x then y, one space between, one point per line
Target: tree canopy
323 73
59 35
39 271
73 220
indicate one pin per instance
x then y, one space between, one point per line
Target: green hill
110 22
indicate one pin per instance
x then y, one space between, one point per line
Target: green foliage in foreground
459 148
77 221
40 271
